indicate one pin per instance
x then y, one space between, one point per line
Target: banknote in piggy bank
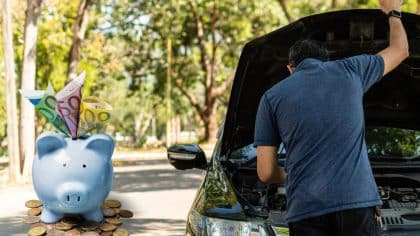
72 176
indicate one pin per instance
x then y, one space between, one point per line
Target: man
317 112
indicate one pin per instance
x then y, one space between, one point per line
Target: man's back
318 114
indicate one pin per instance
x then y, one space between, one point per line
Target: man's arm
397 50
267 167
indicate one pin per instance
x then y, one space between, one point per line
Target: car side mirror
187 156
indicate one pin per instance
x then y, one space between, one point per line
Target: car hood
394 101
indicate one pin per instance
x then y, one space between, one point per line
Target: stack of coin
76 226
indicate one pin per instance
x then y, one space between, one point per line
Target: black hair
307 48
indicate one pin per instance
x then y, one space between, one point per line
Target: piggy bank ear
101 144
49 142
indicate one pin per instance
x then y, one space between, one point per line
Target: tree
27 112
285 10
207 38
79 30
10 77
418 7
333 4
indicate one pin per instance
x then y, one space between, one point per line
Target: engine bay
400 195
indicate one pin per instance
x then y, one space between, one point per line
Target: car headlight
208 226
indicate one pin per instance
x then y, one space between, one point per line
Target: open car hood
394 101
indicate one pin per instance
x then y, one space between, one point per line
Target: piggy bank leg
95 215
48 216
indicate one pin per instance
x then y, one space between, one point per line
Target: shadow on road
155 226
156 179
13 226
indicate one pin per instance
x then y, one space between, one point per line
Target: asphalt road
159 196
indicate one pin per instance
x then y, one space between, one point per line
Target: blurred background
166 66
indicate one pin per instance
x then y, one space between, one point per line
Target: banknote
68 103
94 113
45 103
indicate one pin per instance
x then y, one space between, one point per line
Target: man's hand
267 168
389 5
397 50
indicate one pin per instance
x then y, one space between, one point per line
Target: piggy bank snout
73 194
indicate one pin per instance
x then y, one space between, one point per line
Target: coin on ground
56 232
31 219
90 233
37 224
73 232
106 233
126 213
117 210
33 203
89 225
108 212
37 231
113 221
120 232
71 220
34 211
63 226
112 203
108 227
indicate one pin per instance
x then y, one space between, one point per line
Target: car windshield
383 143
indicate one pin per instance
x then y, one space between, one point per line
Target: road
159 196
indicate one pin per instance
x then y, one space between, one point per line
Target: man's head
303 49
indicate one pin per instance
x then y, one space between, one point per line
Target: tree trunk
10 77
333 4
285 11
213 126
79 30
27 114
418 7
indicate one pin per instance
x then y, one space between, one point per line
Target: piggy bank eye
84 165
64 164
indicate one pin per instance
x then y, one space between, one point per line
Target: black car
233 201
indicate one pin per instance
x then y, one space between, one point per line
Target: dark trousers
353 222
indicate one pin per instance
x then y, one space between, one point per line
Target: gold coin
104 206
31 219
33 203
37 231
112 203
108 227
126 213
114 221
108 212
55 232
120 232
89 225
117 210
104 233
73 232
34 211
37 225
71 220
90 233
63 226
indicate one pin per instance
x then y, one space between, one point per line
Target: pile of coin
74 225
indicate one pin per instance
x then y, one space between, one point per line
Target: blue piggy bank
72 176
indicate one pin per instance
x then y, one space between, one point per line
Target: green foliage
393 142
125 56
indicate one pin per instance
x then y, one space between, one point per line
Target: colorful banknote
94 113
45 103
68 103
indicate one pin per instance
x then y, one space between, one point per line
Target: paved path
159 196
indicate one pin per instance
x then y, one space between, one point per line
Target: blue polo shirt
317 112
